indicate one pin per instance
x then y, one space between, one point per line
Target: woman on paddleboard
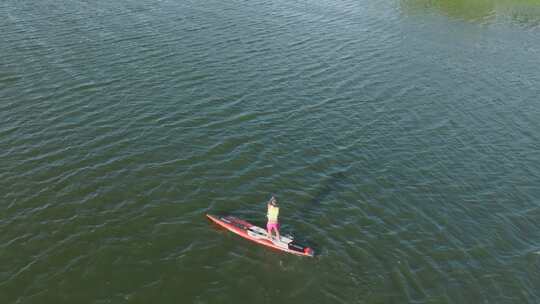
272 214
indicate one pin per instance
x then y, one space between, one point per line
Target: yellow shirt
272 214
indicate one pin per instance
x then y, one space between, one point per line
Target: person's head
273 201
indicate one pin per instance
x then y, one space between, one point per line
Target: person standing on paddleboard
272 214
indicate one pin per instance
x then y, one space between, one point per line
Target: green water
402 139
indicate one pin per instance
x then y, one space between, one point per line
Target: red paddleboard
258 235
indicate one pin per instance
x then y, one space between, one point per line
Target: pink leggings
271 226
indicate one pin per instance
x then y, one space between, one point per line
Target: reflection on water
524 12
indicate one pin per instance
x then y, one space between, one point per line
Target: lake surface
402 139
